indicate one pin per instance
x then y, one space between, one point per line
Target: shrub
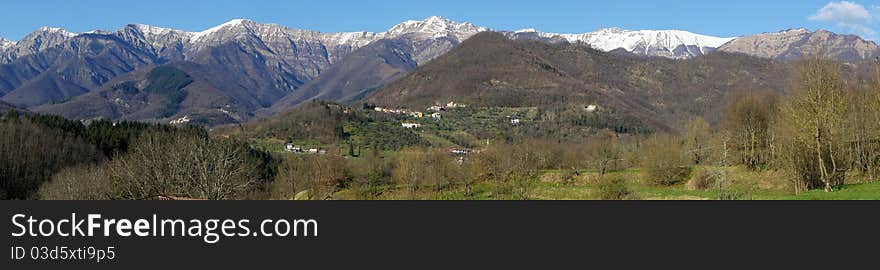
668 175
568 177
613 188
319 175
701 179
664 162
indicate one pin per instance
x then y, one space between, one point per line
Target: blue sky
718 18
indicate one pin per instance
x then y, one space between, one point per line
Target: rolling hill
492 70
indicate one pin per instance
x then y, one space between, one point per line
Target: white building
459 151
436 115
453 105
182 120
411 125
293 148
592 108
515 121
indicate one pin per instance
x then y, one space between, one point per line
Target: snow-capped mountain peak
154 30
793 31
435 26
56 30
666 43
195 36
610 30
5 44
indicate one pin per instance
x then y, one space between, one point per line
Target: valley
437 109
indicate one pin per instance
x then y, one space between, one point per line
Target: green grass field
585 188
860 191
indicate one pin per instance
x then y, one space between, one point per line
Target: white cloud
861 30
843 12
849 16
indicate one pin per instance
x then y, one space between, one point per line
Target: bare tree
410 171
292 179
697 140
863 125
747 127
603 151
184 165
813 119
83 182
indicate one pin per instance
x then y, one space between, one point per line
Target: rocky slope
356 76
795 43
69 69
37 41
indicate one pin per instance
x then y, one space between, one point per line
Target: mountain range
241 69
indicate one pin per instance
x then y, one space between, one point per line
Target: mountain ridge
258 68
792 44
672 43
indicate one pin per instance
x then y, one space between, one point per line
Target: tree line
50 157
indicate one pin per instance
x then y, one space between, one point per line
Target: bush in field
701 179
513 168
568 177
319 176
664 162
613 188
517 186
419 168
371 175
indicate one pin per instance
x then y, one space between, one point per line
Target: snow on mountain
527 30
665 43
5 44
432 27
41 39
157 31
435 26
196 36
430 38
173 42
58 31
356 39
